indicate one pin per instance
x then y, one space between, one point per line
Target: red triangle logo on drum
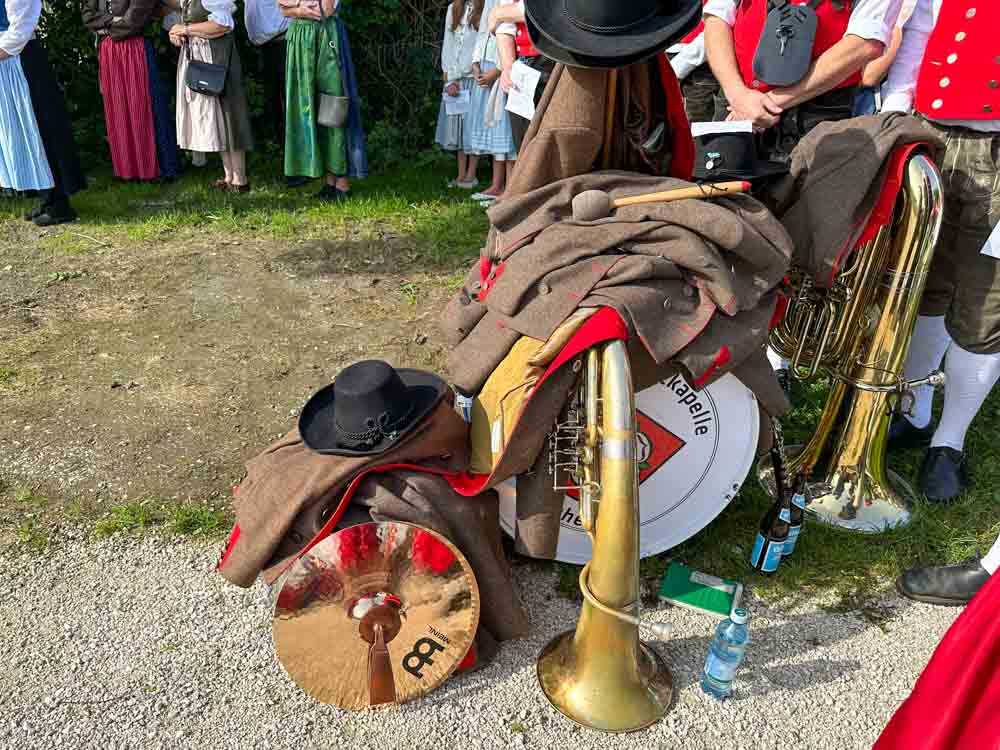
655 446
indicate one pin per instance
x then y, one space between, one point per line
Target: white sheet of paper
457 105
992 247
521 99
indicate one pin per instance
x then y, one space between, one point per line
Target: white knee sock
992 560
777 361
971 377
930 342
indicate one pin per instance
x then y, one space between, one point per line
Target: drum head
408 584
695 449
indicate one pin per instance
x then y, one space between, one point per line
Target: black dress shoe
950 585
903 434
35 212
56 213
943 475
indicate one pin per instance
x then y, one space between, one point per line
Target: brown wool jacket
289 492
845 159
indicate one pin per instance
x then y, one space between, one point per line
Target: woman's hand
310 11
485 80
452 89
178 34
755 106
506 82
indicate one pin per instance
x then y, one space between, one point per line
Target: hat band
597 29
379 428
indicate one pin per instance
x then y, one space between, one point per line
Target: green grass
441 227
178 519
32 535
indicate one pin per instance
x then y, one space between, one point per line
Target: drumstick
593 205
609 114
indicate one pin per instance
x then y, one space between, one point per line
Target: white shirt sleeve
874 19
724 9
221 11
900 86
23 17
510 29
690 57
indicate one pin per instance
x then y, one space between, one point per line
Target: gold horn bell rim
600 675
859 333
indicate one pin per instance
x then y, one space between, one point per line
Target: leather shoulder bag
208 79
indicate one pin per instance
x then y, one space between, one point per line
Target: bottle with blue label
798 512
725 655
769 547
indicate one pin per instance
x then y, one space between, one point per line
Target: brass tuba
600 675
858 332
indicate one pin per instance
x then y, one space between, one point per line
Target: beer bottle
798 511
770 544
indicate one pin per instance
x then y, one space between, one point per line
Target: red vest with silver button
960 75
525 47
751 17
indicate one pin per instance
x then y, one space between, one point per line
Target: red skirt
956 702
128 108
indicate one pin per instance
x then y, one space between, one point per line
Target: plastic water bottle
725 654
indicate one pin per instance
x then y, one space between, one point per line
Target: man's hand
452 89
754 106
506 82
485 80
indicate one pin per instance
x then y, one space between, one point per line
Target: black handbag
207 78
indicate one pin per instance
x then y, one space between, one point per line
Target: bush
396 46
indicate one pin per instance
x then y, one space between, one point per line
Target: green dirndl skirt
313 65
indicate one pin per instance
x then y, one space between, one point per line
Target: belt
961 129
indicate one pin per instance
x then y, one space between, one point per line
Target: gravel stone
136 643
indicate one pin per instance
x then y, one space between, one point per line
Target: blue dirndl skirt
23 162
497 141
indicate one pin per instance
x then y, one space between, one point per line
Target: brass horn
600 675
859 332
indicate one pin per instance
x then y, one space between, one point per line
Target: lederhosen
833 18
700 87
959 80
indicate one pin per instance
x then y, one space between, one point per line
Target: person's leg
499 177
471 168
972 365
462 164
238 168
991 562
227 166
927 349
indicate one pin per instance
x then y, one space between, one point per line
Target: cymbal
376 613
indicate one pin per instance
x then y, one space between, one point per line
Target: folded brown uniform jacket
836 178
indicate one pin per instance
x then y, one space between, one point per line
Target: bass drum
695 449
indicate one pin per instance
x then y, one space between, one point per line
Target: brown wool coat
836 178
289 491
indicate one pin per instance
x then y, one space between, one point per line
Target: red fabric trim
345 500
780 309
696 32
682 162
488 284
954 703
469 661
525 47
604 325
234 536
721 360
885 206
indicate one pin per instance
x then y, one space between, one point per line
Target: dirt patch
157 370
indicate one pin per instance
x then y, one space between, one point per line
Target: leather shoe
903 434
943 475
949 585
56 213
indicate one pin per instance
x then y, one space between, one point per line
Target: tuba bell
858 332
600 675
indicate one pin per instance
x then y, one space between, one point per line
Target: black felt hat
368 409
607 33
728 151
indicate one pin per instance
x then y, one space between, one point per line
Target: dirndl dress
479 137
313 65
23 162
213 124
450 133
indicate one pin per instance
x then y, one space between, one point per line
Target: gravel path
133 643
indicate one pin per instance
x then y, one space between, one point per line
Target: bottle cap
739 616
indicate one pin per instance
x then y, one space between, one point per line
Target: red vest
751 17
696 31
960 75
525 47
